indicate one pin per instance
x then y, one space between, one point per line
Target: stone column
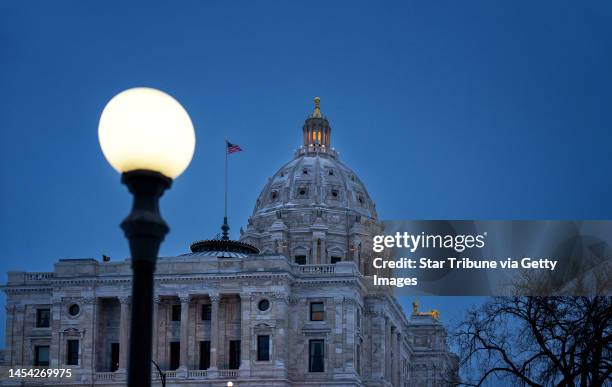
184 358
54 350
245 336
389 339
378 343
351 331
387 352
398 358
124 332
214 330
156 302
19 332
89 339
338 335
8 333
356 258
280 342
324 259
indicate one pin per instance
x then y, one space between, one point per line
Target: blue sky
446 110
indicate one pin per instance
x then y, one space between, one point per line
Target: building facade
291 304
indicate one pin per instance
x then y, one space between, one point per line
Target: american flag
233 148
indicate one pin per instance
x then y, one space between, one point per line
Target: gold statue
317 109
434 313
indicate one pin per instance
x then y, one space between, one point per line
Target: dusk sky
446 110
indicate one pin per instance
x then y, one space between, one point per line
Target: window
206 312
204 355
114 356
317 311
316 358
41 355
176 312
175 354
300 259
74 310
334 193
72 352
263 305
336 259
263 348
43 318
234 354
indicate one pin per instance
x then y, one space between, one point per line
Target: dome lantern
316 128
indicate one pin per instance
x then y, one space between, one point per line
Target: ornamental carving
280 296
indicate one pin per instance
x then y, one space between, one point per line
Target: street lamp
148 137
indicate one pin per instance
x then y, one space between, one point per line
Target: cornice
27 290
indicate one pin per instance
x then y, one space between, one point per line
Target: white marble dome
315 178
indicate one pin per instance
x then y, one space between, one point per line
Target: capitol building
292 303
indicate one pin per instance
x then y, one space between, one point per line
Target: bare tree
538 341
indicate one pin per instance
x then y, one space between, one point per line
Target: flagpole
225 228
225 209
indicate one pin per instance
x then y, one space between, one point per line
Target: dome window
335 193
331 172
305 171
274 195
360 199
302 192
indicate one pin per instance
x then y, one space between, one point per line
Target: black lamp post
145 230
147 136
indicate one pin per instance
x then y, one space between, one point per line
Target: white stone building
301 312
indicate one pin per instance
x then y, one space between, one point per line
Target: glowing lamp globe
146 129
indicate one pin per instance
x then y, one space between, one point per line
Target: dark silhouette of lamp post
162 374
147 136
